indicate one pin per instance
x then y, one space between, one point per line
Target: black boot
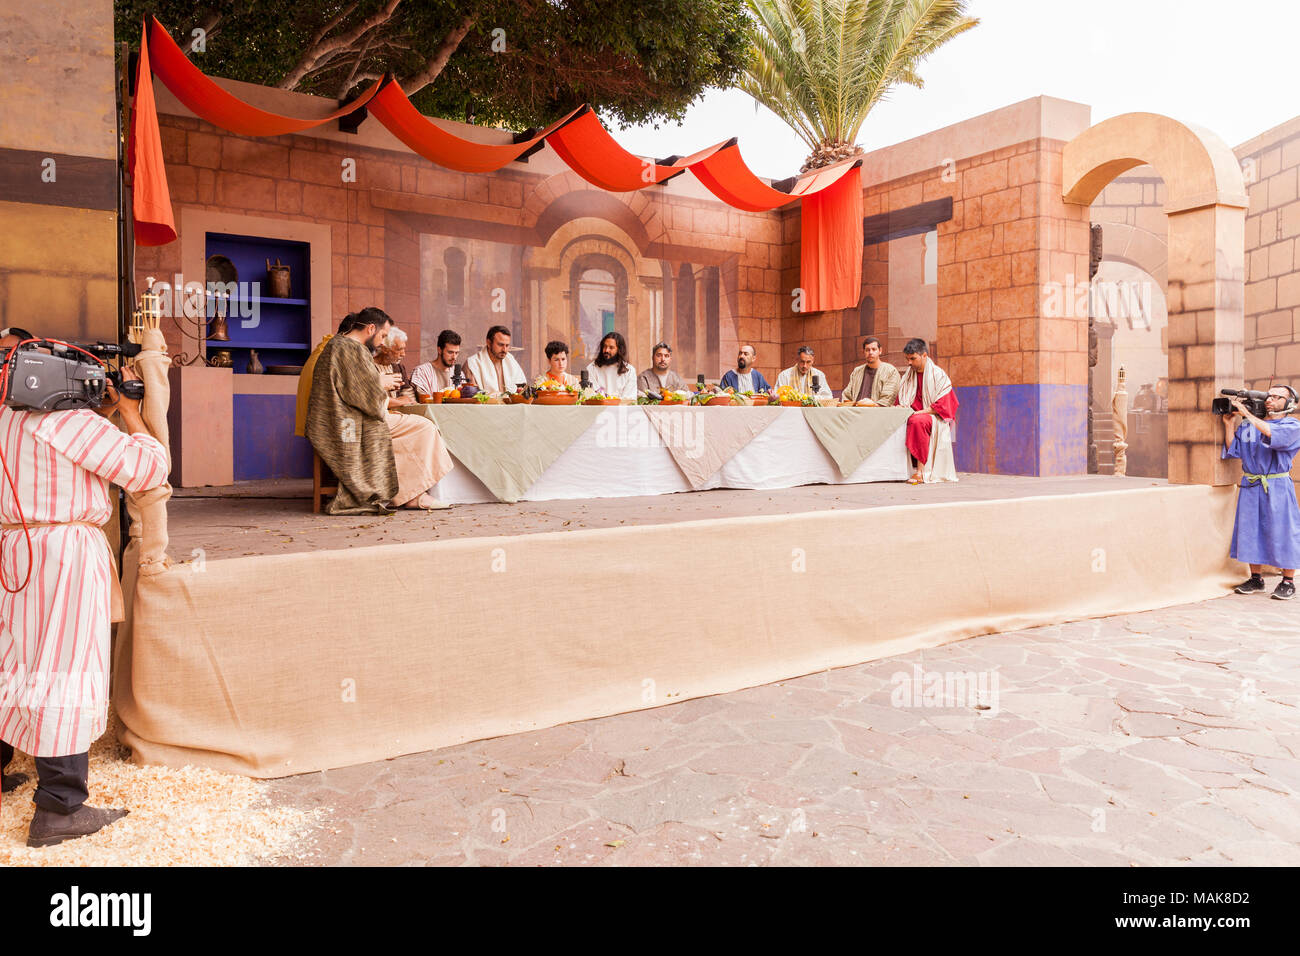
49 828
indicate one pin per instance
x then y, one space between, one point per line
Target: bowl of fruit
465 395
600 398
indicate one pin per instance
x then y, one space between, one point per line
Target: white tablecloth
621 455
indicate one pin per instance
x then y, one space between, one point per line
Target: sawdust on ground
187 817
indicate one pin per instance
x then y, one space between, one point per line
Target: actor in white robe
483 370
606 379
803 381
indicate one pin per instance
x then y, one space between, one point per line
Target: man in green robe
346 417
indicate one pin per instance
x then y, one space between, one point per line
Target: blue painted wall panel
1022 429
1063 427
265 445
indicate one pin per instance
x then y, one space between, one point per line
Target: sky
1230 67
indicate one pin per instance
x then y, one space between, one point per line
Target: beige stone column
1206 336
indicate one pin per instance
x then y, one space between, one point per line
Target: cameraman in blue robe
1267 528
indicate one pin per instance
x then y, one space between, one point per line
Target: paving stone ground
1168 737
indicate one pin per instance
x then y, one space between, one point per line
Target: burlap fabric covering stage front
146 549
283 664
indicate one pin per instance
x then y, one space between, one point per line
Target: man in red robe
927 389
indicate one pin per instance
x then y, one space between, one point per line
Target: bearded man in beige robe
381 459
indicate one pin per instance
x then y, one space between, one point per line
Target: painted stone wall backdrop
1013 339
689 270
1271 164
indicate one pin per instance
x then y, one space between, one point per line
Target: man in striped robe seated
382 460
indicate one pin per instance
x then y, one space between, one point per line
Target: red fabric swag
588 149
426 138
206 100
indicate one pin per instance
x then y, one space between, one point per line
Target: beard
742 364
603 361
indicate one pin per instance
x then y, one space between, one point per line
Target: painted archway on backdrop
1205 286
553 273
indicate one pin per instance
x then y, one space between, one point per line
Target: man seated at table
873 383
744 377
389 357
557 358
800 375
660 377
381 459
439 375
493 368
927 389
610 373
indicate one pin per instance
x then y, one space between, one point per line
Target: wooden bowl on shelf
556 398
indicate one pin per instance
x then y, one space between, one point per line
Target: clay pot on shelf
277 279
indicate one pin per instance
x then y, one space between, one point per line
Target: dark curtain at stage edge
830 257
151 201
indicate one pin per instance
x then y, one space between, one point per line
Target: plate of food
599 398
555 397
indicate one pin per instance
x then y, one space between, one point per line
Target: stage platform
274 517
290 642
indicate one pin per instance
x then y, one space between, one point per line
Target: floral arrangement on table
788 394
702 397
548 384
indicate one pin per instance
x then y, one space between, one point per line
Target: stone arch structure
1206 205
589 242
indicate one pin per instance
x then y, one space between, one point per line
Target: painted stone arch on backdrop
594 262
1205 203
598 303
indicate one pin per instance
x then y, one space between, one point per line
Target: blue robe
1267 529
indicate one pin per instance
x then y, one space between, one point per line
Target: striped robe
54 634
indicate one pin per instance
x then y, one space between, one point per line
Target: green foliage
822 65
634 60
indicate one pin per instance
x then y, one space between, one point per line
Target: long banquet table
627 450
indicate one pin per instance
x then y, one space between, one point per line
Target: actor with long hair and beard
611 373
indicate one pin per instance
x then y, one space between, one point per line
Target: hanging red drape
830 257
151 201
206 100
427 138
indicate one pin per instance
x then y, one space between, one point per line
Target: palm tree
821 65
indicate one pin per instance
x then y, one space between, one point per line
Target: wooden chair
324 484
